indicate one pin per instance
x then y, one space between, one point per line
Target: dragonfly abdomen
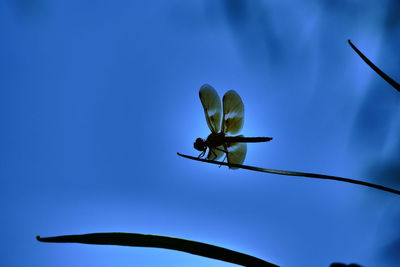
242 139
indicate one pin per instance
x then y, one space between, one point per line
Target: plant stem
375 68
294 173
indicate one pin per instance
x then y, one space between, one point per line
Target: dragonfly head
200 144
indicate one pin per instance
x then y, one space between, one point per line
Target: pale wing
237 153
215 153
212 107
233 113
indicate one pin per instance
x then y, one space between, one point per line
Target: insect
218 142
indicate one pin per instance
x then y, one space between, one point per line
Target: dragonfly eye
199 144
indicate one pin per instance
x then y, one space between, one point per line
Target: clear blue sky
96 98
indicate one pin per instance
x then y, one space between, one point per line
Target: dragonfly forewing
233 116
212 107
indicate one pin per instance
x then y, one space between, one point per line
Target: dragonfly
221 122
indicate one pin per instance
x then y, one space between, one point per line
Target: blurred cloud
378 109
344 265
387 172
392 19
391 252
251 23
29 9
376 129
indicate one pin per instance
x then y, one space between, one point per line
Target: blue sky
97 97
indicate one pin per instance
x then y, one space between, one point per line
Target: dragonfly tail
241 139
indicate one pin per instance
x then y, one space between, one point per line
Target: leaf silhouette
157 241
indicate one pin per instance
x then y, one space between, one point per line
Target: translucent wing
212 107
215 153
233 113
236 153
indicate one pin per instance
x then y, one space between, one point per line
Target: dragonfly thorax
215 139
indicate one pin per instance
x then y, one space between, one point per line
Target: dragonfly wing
215 153
236 152
212 107
233 113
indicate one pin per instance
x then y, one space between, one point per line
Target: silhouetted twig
375 68
294 173
156 241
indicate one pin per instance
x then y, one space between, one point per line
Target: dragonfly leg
202 154
222 161
212 151
226 154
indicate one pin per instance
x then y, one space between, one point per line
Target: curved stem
294 173
375 68
156 241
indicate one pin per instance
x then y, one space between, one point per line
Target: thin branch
294 173
375 68
156 241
